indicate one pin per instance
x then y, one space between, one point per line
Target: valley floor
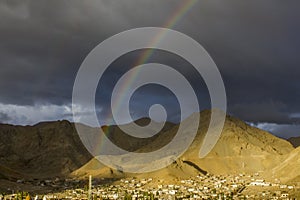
239 186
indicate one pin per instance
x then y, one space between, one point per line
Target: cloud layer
254 43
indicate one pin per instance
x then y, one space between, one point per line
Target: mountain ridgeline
54 149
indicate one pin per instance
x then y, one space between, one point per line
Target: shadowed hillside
130 143
295 141
44 150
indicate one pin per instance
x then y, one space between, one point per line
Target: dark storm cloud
281 130
254 43
272 112
44 42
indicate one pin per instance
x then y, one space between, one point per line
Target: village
208 186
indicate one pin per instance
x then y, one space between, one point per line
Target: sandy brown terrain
53 149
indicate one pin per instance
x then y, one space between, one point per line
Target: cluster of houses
263 183
199 187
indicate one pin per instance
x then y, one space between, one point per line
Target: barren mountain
51 149
44 150
241 148
288 169
130 143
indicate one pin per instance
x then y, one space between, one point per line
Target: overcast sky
255 45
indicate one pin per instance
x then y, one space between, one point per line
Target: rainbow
182 9
179 13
